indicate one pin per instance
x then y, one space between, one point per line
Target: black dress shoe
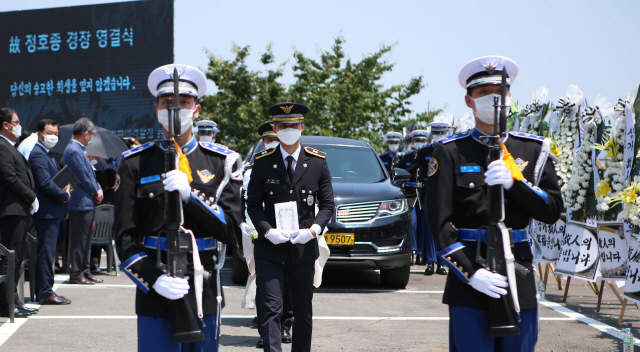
92 278
18 313
21 306
441 270
255 320
54 300
82 281
286 336
429 269
260 342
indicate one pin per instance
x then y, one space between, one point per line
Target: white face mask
485 110
17 131
50 141
289 136
394 147
272 145
206 138
418 145
436 137
186 119
94 162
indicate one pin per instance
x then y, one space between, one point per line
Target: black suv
371 227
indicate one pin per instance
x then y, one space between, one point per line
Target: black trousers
13 234
81 226
287 310
47 230
271 283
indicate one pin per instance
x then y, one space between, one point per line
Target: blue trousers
425 241
468 332
47 231
154 335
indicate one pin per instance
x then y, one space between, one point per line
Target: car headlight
392 207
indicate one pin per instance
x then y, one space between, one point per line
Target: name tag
273 182
385 162
408 164
469 169
149 179
427 157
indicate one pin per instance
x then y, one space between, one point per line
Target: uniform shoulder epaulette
264 153
381 154
455 137
216 148
527 136
315 152
137 149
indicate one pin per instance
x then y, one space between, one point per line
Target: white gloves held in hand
498 174
277 236
246 230
34 206
176 180
171 287
301 236
491 284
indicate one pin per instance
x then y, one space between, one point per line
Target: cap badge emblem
287 109
180 68
490 67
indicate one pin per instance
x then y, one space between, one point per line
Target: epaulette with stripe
216 148
455 137
264 153
315 152
527 136
137 149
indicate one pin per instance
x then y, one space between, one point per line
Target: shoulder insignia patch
455 137
205 175
216 148
117 182
137 150
315 152
532 137
265 153
433 167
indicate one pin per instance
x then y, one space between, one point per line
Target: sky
592 44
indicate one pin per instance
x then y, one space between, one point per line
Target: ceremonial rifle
499 257
185 326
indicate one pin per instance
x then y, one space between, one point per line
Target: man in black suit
289 172
17 202
53 208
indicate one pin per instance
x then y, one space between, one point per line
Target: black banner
94 60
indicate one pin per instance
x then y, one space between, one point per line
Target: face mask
186 119
89 143
436 137
213 140
289 136
485 109
206 138
94 162
50 141
17 131
418 145
394 147
272 145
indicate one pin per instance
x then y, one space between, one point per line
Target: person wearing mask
83 202
393 140
457 185
52 209
207 131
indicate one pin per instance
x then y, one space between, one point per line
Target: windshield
351 164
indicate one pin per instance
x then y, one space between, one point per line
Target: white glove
301 236
177 180
246 230
498 174
35 206
171 287
491 284
276 236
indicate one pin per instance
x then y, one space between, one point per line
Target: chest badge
304 165
521 164
433 167
275 166
205 175
310 200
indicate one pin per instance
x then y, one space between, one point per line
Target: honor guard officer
207 131
457 183
142 185
288 173
393 143
426 247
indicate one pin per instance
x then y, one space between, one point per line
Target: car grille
356 212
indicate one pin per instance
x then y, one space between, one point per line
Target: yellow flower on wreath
603 189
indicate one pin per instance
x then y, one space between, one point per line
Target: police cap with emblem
288 113
192 81
266 130
439 127
393 136
487 70
419 135
207 126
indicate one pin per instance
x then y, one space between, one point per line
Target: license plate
347 239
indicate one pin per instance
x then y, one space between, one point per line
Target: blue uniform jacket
83 198
50 196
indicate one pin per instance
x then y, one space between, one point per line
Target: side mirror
400 176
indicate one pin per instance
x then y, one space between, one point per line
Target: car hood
344 193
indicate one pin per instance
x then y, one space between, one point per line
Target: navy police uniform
269 185
389 156
458 207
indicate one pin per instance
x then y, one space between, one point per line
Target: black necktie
290 167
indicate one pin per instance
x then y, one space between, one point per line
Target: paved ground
351 311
